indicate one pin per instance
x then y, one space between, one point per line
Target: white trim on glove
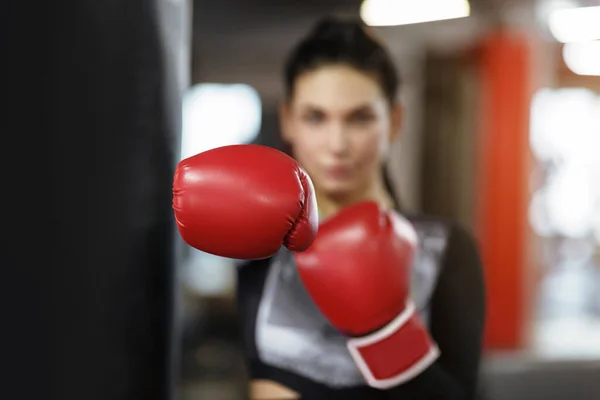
355 344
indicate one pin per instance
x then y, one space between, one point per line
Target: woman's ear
396 121
284 122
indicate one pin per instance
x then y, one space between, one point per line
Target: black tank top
288 340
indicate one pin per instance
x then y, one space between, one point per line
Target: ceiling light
583 58
403 12
575 24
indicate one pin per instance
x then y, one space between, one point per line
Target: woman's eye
362 118
314 118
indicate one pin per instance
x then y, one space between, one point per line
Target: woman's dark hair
342 41
345 41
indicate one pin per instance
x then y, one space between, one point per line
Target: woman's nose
338 139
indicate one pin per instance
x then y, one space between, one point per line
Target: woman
339 118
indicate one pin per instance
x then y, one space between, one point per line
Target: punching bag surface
89 246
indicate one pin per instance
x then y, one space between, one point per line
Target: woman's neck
331 205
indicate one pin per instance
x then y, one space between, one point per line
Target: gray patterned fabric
292 334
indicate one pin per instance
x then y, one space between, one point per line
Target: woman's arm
457 322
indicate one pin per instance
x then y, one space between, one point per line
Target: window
217 115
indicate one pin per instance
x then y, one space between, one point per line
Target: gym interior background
502 134
102 301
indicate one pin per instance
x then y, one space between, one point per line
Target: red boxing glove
244 202
358 273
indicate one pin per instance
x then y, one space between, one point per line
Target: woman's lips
338 171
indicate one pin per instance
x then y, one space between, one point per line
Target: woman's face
339 125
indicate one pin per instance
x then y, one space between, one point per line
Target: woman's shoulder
452 236
256 264
452 228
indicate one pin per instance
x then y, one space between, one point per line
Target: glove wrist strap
396 353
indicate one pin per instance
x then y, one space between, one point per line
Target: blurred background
502 133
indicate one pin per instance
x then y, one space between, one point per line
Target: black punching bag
90 142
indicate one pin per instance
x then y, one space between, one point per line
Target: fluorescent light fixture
583 58
575 24
404 12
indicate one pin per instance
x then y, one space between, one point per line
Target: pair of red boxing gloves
246 201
